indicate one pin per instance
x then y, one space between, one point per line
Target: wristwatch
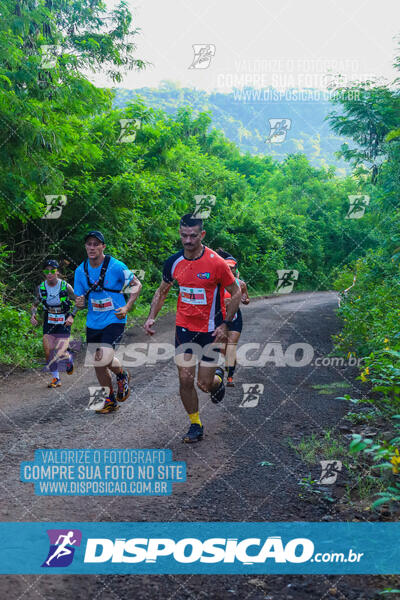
227 323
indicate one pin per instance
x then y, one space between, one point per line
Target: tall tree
47 50
366 113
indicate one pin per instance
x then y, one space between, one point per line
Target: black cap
96 234
51 263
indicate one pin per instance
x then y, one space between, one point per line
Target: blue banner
209 548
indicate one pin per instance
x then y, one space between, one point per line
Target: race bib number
193 295
102 305
56 319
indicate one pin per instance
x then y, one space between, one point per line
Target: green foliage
371 311
243 116
315 447
386 457
367 114
62 136
371 308
310 489
19 345
269 215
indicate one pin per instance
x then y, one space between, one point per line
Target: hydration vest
65 302
98 286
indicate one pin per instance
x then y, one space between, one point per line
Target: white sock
55 374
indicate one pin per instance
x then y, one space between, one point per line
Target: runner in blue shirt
99 283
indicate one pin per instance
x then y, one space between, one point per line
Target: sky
283 43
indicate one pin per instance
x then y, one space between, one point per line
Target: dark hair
190 221
222 253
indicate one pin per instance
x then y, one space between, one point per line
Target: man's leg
210 379
206 379
233 338
62 352
115 366
187 390
189 398
49 345
123 379
113 335
104 356
107 362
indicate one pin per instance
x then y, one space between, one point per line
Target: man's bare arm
236 296
137 287
34 308
156 305
245 293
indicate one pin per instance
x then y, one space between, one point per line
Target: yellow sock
195 418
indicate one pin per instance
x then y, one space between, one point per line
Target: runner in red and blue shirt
202 275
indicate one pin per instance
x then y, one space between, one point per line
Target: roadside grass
314 448
363 486
331 388
359 418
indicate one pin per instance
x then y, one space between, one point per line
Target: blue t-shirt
101 305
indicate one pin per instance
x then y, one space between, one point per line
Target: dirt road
225 480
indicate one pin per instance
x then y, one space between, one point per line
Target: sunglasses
48 271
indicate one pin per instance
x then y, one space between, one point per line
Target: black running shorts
110 335
190 342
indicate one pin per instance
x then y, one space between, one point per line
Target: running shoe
123 380
110 405
219 393
229 382
195 434
55 382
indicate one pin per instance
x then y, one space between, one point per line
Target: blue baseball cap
51 263
96 234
